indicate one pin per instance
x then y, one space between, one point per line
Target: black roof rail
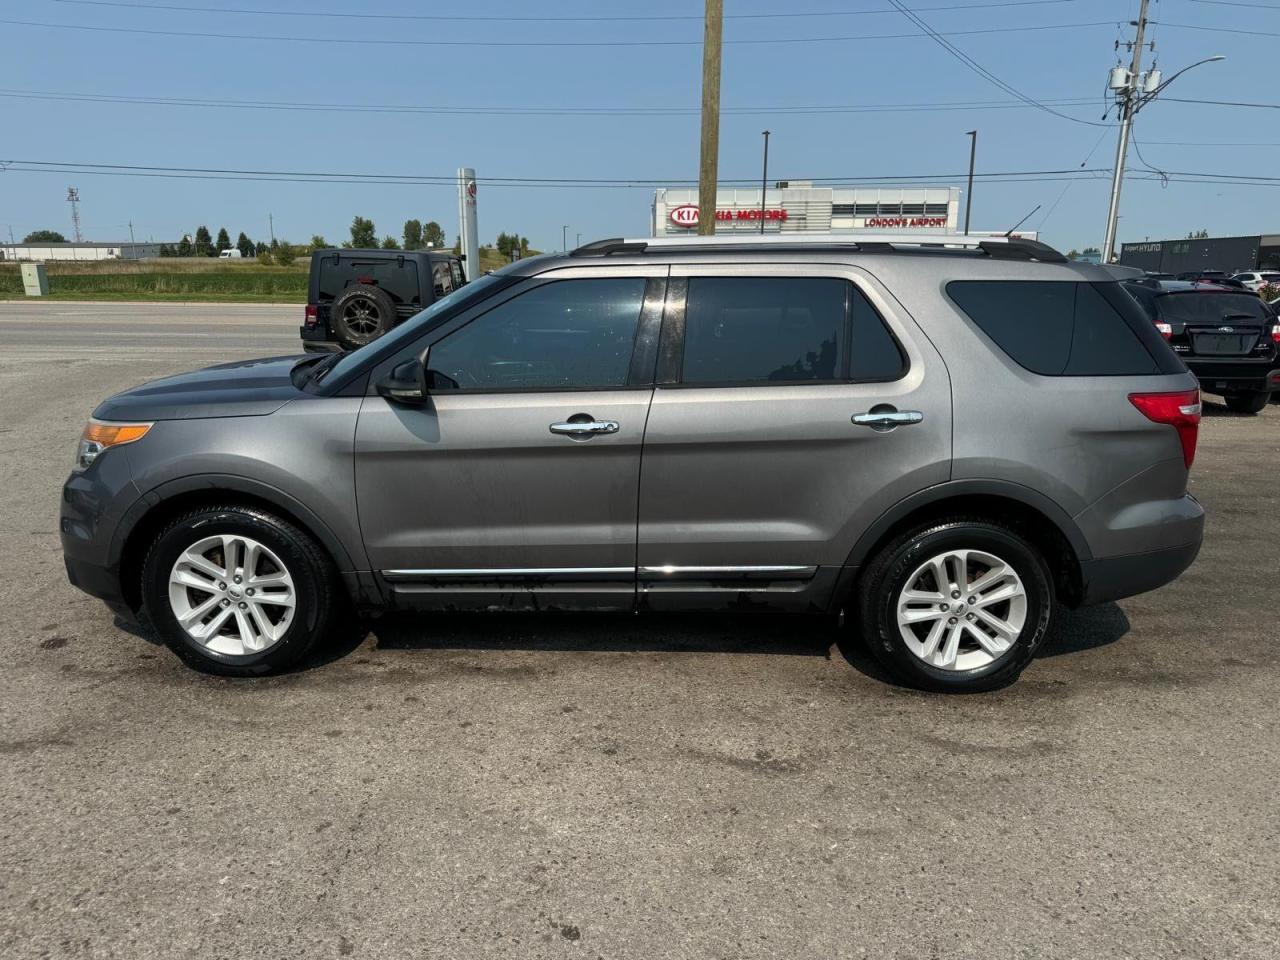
602 248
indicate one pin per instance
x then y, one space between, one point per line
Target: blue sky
1062 59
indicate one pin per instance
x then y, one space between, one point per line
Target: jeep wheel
237 591
361 314
961 605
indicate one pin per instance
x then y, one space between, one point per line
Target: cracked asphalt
611 787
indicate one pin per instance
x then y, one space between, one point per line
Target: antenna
73 198
1023 220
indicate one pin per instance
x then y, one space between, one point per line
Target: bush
264 258
284 253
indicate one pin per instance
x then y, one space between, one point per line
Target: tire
1255 401
974 666
238 645
360 315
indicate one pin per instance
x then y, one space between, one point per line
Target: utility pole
709 158
1128 107
131 240
73 198
764 179
564 238
968 197
271 228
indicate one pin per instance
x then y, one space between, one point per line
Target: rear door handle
584 428
886 420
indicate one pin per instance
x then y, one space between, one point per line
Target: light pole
968 197
764 179
564 238
1131 100
578 242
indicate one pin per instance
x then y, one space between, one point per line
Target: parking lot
616 787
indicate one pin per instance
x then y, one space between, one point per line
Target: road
611 787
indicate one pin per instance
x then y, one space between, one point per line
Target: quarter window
563 335
759 330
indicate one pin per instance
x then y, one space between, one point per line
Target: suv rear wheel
1255 401
237 591
361 314
960 605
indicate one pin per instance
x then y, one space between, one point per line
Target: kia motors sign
686 215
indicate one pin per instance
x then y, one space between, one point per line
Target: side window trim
670 368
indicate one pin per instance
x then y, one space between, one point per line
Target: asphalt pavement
617 787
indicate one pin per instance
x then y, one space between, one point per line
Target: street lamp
764 179
564 238
1131 101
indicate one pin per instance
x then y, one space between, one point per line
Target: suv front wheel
237 591
960 605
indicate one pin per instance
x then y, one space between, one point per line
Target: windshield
1210 307
411 328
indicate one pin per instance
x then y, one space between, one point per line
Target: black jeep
355 296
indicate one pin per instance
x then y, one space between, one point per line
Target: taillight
1275 332
312 315
1166 330
1180 410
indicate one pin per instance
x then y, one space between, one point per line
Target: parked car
1255 280
1228 338
946 445
1204 275
355 296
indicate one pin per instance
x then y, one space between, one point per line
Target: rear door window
1056 328
762 330
397 276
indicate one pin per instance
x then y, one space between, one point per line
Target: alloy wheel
361 317
962 610
232 595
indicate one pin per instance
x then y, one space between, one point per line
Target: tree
204 242
1090 252
260 248
363 233
457 245
224 240
264 255
244 245
166 250
389 243
283 253
1198 235
413 234
318 242
432 234
44 236
185 249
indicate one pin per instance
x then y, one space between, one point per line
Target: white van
232 254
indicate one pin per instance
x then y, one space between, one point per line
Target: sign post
467 234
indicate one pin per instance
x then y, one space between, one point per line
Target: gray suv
944 438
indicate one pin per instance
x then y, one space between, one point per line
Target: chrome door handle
884 420
585 428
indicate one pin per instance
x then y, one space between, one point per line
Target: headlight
99 435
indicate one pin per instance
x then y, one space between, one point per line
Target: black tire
317 605
886 577
361 314
1255 401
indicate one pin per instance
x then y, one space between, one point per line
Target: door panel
515 486
756 494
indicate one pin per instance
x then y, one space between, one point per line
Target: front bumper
94 501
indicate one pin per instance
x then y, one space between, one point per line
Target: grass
195 279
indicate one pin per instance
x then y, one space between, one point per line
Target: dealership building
1229 254
800 207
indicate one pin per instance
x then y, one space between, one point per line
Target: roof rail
1002 248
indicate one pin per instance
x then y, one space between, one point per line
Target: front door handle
885 418
584 428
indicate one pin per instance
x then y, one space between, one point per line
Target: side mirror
407 382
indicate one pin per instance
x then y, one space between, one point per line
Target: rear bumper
315 340
1112 578
1217 376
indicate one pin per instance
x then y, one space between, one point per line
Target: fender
961 488
236 484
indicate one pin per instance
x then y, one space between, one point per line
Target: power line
1197 26
147 100
383 41
312 14
982 71
1222 103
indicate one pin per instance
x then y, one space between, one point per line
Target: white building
800 207
119 250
